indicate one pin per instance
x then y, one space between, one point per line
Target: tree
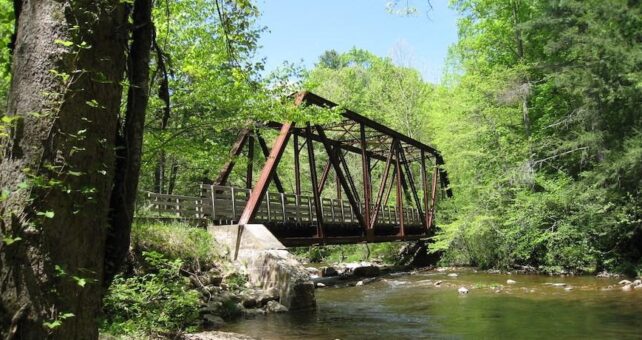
70 162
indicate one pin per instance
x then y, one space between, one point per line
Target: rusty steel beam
237 148
336 163
266 153
402 231
365 172
348 175
268 172
424 185
315 193
311 98
250 162
383 185
297 166
433 196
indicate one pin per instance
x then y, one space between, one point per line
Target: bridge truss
389 161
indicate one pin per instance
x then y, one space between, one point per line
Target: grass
176 240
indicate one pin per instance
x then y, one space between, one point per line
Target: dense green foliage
538 120
6 32
156 302
155 296
540 127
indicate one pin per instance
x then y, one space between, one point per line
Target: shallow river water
412 307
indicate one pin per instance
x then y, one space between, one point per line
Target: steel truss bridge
391 198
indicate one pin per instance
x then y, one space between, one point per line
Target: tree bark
130 144
58 166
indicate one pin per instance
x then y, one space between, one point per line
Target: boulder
626 288
453 275
637 283
366 271
624 282
462 290
275 307
320 285
213 321
511 282
313 271
438 283
329 272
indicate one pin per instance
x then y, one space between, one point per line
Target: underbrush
154 296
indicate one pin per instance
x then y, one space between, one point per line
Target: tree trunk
130 144
58 165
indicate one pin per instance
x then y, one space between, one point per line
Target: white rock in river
320 285
624 282
626 288
462 290
360 283
511 282
637 283
569 288
452 274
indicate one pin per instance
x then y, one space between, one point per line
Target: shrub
156 302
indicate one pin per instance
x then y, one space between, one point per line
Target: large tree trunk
58 165
130 145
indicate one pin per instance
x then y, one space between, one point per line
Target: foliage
154 303
6 32
192 245
541 135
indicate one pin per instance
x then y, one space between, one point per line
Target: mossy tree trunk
58 166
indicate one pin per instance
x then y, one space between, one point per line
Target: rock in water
637 283
367 271
275 307
438 283
329 272
511 282
624 282
453 275
320 285
360 283
462 290
626 288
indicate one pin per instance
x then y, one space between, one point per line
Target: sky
299 31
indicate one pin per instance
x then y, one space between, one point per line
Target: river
413 307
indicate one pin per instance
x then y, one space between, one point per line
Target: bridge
391 196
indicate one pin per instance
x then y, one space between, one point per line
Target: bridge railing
224 205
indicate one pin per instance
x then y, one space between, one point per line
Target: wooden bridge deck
291 218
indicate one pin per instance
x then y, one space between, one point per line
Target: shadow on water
412 307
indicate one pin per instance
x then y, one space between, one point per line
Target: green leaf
80 281
47 214
9 240
63 42
53 324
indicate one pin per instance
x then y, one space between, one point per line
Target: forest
537 117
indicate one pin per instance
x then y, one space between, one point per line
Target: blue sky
303 29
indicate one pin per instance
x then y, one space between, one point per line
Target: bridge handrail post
267 201
283 205
233 205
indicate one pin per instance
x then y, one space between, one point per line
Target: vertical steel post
250 162
433 196
424 185
402 231
315 185
297 166
365 170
